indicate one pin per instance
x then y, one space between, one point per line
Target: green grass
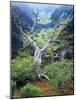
30 90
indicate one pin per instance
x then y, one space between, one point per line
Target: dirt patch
44 86
18 92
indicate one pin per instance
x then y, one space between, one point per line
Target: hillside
42 47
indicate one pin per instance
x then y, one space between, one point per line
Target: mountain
18 16
21 14
63 13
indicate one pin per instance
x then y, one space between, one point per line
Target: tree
38 51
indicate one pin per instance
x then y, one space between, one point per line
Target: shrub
61 72
22 69
30 91
13 87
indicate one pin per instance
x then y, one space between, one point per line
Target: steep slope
17 16
63 13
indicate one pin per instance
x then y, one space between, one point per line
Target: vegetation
42 51
60 74
60 71
22 68
13 87
31 91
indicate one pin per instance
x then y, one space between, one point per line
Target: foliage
61 72
43 36
22 68
31 91
53 85
16 43
13 87
57 26
67 37
67 33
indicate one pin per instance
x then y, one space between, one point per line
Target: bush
61 72
23 68
13 87
30 91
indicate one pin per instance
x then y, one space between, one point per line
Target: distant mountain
18 14
21 14
63 13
